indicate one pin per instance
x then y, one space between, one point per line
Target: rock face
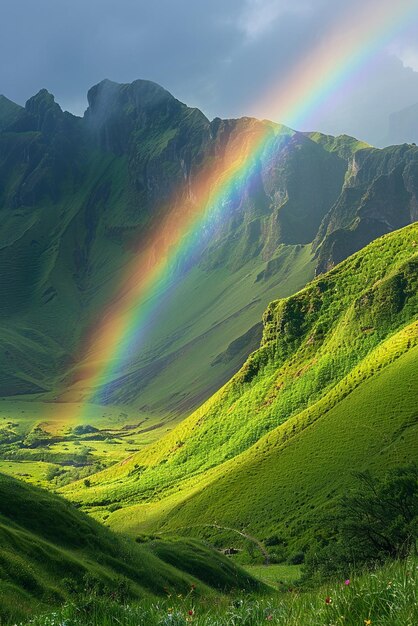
116 111
80 196
380 195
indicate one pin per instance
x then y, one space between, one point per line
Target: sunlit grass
386 597
331 388
275 575
122 432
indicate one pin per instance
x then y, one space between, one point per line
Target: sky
222 56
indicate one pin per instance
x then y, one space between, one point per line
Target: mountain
81 197
9 112
380 194
403 126
44 563
332 388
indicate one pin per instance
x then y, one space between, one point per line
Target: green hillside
332 388
50 552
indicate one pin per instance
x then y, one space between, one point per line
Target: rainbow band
349 45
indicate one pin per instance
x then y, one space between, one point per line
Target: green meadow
76 572
39 446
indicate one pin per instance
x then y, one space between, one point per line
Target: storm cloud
218 55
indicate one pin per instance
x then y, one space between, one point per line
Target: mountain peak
108 98
44 111
41 102
115 109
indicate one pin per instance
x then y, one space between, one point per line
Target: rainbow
349 45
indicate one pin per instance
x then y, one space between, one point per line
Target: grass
50 550
277 575
283 485
331 385
61 450
386 597
343 145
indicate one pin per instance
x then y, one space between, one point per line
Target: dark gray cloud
219 55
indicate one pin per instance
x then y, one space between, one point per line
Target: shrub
377 520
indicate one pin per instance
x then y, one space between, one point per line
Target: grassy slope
344 145
43 303
46 542
179 355
184 351
336 357
387 597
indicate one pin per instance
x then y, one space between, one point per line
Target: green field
44 442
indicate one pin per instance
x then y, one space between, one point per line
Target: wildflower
191 612
269 618
170 610
367 622
347 582
328 600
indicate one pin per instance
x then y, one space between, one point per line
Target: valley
207 330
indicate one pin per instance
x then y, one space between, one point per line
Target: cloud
259 16
220 56
406 47
409 58
382 87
